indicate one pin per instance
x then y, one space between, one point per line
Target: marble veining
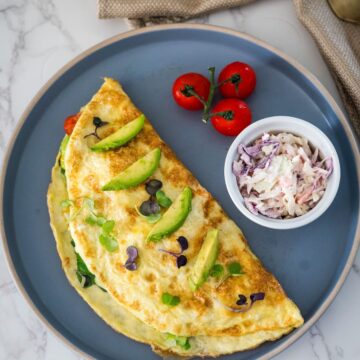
37 38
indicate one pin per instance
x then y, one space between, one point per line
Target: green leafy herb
86 278
106 239
169 299
90 203
234 269
108 226
84 275
86 202
66 203
151 219
162 199
93 219
108 242
181 341
216 271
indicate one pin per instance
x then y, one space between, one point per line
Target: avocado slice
136 173
121 136
63 145
205 260
173 218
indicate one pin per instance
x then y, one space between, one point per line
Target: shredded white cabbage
281 176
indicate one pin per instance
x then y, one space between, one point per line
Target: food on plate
63 145
205 259
144 289
121 136
237 80
281 175
230 116
191 90
174 217
136 173
70 122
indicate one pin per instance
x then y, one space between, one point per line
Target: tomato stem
209 101
227 114
235 79
189 91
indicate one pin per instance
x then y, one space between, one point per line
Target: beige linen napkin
338 41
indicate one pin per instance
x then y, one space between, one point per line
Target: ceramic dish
292 256
297 127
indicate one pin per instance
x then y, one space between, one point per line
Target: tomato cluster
229 116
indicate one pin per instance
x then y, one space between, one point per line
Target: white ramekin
298 127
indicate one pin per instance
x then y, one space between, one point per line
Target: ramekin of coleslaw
282 172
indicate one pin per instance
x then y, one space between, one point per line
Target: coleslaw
281 176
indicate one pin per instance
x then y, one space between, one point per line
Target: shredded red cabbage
280 175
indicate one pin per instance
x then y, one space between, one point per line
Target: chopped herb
245 306
98 123
182 240
152 186
149 207
162 199
242 300
181 261
169 299
66 203
108 242
216 271
90 203
257 296
151 219
86 202
132 253
93 219
106 239
108 226
235 269
181 341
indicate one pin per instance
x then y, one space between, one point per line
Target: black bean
152 186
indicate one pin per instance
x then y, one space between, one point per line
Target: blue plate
311 262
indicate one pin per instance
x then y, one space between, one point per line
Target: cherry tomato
183 89
70 122
235 117
241 80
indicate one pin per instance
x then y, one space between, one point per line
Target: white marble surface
36 38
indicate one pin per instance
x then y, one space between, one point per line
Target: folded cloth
338 41
162 8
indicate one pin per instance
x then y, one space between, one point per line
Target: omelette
148 248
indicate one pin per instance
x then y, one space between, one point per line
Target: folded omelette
148 248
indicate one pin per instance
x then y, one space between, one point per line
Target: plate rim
128 34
